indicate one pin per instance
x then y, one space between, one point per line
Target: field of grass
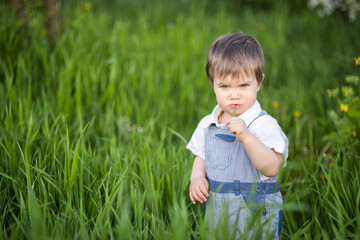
93 130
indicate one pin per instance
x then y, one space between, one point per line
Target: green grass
93 131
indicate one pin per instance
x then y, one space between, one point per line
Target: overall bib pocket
219 154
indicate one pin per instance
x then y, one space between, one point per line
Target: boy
239 148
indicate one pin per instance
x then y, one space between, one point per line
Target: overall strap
262 113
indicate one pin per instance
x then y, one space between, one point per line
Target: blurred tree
19 8
51 18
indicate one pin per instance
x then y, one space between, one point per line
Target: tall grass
93 131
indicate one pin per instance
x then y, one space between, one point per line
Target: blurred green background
98 101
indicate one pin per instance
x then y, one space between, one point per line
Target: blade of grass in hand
234 114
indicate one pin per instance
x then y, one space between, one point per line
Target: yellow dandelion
354 133
344 107
332 164
276 104
323 177
297 114
357 61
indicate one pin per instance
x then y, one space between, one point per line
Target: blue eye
224 86
244 85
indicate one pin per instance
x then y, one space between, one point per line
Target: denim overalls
236 183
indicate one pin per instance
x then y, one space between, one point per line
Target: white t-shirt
265 128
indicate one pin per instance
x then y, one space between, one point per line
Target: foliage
93 131
346 116
339 162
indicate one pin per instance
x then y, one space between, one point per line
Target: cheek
218 99
220 96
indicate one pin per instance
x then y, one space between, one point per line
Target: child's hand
238 127
199 190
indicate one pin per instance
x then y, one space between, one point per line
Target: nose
234 94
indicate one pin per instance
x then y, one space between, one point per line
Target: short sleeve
197 141
268 131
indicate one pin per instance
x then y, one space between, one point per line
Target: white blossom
327 7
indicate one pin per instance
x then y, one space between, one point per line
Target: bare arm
265 159
199 187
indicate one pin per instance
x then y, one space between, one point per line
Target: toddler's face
241 92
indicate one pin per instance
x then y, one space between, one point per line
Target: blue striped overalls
236 188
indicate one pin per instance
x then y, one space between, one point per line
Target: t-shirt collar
248 116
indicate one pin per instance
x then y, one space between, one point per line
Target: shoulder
265 123
208 119
205 121
197 141
268 131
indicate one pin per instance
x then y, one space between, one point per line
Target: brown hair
237 55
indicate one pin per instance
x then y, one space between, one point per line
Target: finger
201 194
207 187
206 184
230 120
192 199
197 196
204 192
232 130
193 194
